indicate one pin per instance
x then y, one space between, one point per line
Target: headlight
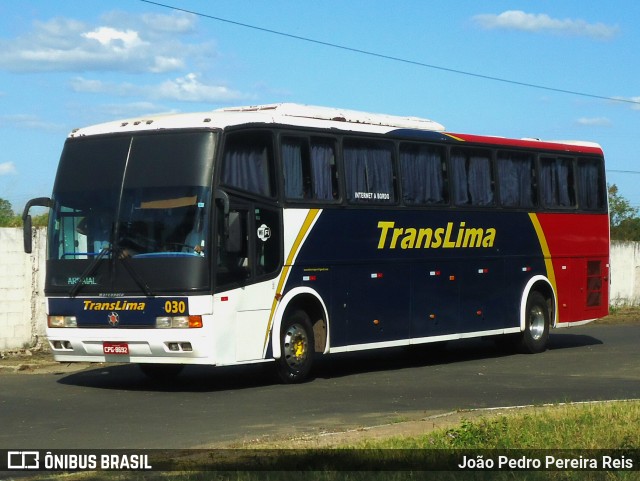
62 321
178 322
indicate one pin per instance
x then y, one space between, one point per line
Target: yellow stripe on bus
453 137
306 225
547 256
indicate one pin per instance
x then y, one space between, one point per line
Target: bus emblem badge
264 232
114 319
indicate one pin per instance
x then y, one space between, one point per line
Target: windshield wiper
89 270
121 254
118 253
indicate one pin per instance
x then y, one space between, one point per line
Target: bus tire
296 347
161 372
535 336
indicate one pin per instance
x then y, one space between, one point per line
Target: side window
267 235
247 163
233 260
556 181
515 179
309 168
423 171
472 176
369 171
250 250
591 188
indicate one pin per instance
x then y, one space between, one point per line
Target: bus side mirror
222 198
27 226
234 237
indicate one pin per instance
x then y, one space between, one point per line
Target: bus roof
533 143
310 112
318 117
284 113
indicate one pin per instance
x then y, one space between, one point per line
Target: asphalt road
117 406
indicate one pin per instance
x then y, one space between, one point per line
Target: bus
277 233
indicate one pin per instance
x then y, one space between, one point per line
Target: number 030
175 307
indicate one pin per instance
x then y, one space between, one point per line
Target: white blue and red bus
273 233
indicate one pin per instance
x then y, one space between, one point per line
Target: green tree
623 217
7 217
6 212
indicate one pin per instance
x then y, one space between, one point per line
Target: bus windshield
132 200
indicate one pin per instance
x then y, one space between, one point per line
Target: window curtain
516 187
459 178
547 183
369 171
247 169
563 167
555 182
480 181
472 179
322 160
293 177
589 183
422 176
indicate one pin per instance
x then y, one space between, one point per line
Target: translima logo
450 237
113 306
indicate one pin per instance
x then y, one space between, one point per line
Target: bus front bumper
166 346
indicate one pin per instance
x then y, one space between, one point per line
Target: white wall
625 273
22 308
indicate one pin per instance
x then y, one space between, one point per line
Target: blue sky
69 64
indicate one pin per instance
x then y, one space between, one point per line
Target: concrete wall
625 273
22 308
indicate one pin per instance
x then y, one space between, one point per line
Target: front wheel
535 336
296 347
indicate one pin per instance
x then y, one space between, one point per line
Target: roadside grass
611 425
549 429
621 314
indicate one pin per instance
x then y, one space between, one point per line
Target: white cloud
634 102
8 168
108 36
530 22
147 43
635 106
133 109
93 86
179 23
594 121
27 121
81 84
189 88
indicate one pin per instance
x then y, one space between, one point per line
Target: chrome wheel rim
536 322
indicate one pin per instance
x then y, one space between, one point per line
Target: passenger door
247 263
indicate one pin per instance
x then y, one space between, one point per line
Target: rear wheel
296 346
535 336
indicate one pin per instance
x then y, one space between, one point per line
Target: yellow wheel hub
299 348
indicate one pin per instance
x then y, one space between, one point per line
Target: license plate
117 348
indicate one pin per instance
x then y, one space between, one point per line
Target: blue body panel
381 284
